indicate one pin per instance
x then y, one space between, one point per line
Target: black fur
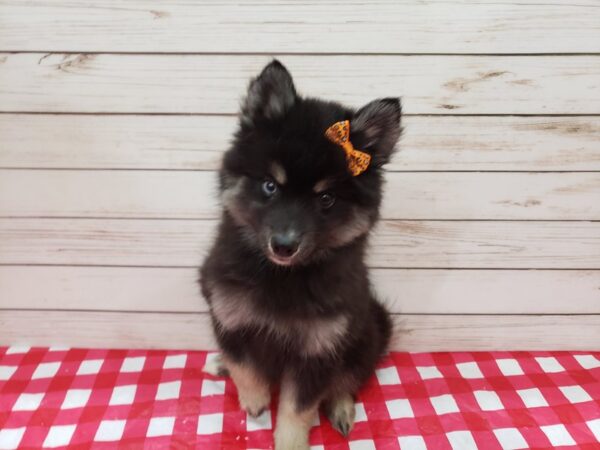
327 278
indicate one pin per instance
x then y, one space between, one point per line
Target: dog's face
287 187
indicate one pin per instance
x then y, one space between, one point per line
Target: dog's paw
215 366
291 440
255 403
341 413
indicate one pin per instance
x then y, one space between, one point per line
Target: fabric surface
77 398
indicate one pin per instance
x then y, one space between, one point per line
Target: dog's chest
312 337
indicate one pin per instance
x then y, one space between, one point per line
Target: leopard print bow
339 133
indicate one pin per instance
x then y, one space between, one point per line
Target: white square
461 440
212 387
412 443
213 364
488 400
429 372
360 413
10 438
110 430
167 391
469 370
175 361
210 423
28 402
532 397
594 426
58 348
90 367
160 426
510 439
444 404
262 422
557 435
17 349
317 447
76 398
388 376
123 395
399 409
45 370
6 372
509 367
550 364
59 436
133 364
575 394
587 361
363 444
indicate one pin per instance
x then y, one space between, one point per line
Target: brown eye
326 200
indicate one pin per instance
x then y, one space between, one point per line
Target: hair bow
339 133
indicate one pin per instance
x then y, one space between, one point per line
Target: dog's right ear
270 95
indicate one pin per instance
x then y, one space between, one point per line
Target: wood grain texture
193 331
213 84
480 26
192 195
414 291
408 244
197 142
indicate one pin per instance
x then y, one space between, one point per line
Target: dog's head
287 186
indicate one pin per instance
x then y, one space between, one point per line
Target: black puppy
286 281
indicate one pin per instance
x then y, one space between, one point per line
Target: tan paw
255 403
290 439
341 413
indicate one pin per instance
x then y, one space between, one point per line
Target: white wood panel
404 291
157 194
481 26
214 83
100 288
197 142
193 331
182 243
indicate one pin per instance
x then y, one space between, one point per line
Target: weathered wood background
114 115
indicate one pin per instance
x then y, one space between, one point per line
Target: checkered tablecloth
80 398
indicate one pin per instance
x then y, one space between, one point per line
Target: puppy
286 282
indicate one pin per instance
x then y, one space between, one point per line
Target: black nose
285 244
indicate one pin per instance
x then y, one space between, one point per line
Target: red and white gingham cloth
76 398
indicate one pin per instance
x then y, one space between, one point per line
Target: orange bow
339 133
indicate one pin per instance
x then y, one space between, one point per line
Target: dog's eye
326 200
269 187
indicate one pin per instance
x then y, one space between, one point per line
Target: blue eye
269 187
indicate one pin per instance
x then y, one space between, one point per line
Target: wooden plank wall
113 120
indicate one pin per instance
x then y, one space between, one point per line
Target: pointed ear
270 95
376 128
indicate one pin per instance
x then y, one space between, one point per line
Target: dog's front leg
253 390
295 417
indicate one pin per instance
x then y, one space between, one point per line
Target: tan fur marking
253 392
234 310
278 174
230 200
359 225
293 426
321 186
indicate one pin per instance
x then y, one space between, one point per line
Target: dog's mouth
280 258
281 261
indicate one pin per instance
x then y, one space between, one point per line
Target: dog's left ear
270 95
375 128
